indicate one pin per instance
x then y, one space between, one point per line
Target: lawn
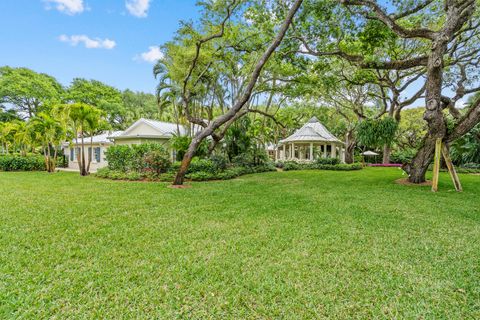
306 244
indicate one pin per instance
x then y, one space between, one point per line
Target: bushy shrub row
215 168
229 173
133 175
471 166
140 158
292 165
22 163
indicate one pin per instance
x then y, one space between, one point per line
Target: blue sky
93 39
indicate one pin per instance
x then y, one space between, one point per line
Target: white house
95 147
309 142
142 131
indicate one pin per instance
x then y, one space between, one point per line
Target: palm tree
49 133
80 115
93 124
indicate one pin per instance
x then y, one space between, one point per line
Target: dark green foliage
471 166
219 161
237 141
133 176
321 161
467 149
138 158
157 161
230 173
22 163
181 144
205 165
376 132
402 156
292 165
255 156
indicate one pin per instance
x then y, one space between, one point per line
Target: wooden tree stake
436 164
451 168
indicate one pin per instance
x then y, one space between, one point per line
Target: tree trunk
387 150
90 153
433 114
242 100
83 172
47 161
350 144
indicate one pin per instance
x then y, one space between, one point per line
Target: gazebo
310 142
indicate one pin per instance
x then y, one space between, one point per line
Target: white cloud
69 7
138 8
152 55
88 42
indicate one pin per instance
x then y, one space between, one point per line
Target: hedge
292 165
198 175
22 163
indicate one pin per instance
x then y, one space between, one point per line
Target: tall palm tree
93 124
49 133
83 117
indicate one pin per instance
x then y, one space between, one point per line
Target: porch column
334 151
292 151
284 155
311 151
342 156
325 150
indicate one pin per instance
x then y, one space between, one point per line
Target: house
142 131
95 146
309 142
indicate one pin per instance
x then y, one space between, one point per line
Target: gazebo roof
312 131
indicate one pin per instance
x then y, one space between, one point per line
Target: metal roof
102 138
311 131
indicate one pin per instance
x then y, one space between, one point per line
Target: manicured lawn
287 245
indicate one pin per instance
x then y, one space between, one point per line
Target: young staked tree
446 33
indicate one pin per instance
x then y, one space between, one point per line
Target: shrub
471 166
291 165
279 164
201 176
119 157
402 156
321 161
127 158
156 161
132 175
201 165
219 162
22 163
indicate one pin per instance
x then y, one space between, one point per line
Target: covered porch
309 151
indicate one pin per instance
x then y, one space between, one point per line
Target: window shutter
97 154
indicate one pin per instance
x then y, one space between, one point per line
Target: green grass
306 244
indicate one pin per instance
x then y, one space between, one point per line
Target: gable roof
164 129
311 131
